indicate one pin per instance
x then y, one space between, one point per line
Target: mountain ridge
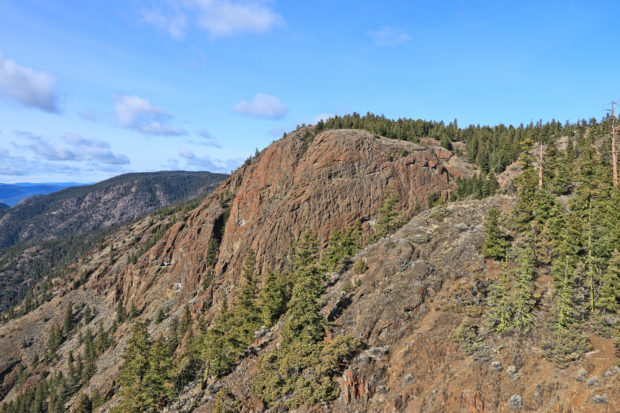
414 297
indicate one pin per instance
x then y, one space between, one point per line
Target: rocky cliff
422 284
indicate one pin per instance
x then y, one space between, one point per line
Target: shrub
360 266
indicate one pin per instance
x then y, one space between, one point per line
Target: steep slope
421 284
339 177
417 308
46 231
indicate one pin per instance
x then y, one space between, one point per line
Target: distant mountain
3 205
12 194
114 201
44 232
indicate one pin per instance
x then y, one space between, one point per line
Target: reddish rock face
340 177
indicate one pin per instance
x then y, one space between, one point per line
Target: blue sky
89 90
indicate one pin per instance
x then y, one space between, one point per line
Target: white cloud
262 106
225 17
79 140
206 163
27 86
388 36
219 18
137 113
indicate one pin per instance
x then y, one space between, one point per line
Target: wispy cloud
388 36
206 139
77 149
31 88
137 113
172 21
206 163
219 18
262 106
89 114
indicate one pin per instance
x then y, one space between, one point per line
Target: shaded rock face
340 177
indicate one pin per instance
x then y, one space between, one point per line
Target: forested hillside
338 270
46 232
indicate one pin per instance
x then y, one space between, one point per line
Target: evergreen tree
302 367
498 316
69 320
186 322
273 297
523 288
388 220
495 244
610 291
135 366
121 313
212 251
158 382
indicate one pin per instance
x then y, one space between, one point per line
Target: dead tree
614 149
540 167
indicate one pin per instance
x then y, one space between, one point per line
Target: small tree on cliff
388 218
495 244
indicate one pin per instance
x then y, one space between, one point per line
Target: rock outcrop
338 178
421 283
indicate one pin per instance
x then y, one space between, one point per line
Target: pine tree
303 320
610 291
495 244
186 322
69 320
388 215
135 367
212 251
498 317
273 297
246 317
523 288
302 367
158 382
121 313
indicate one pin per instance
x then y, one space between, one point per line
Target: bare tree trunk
540 167
614 150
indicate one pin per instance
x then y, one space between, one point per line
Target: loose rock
515 401
600 399
581 375
512 372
